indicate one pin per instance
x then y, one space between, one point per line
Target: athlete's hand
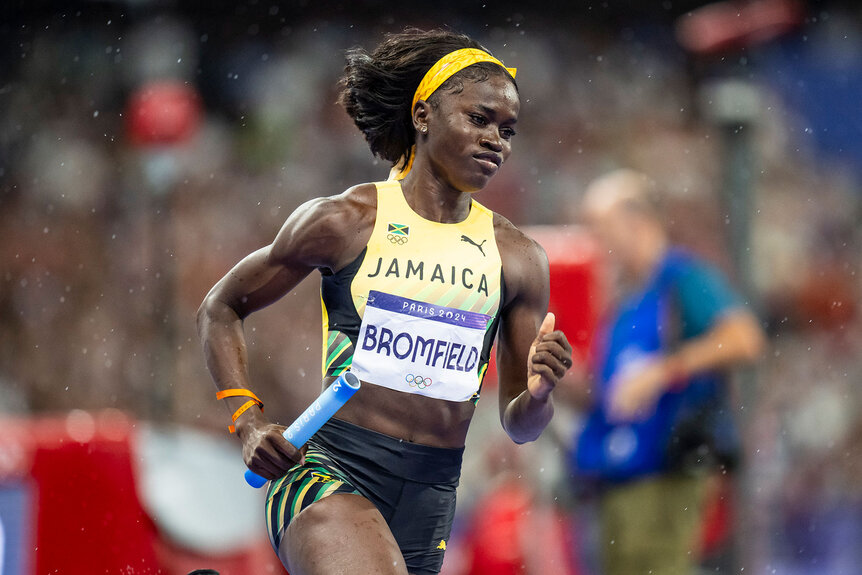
549 360
264 448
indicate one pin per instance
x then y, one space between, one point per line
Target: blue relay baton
313 418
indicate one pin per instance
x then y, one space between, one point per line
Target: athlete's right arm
320 234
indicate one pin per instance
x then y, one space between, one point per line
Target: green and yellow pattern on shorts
304 484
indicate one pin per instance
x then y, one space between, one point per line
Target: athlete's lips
489 160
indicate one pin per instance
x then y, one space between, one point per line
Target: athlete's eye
507 133
478 119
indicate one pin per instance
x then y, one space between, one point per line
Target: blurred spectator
659 419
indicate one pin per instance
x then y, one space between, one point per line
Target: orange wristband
239 392
240 411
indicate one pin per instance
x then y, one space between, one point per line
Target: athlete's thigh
339 535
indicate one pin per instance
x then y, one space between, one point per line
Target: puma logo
469 241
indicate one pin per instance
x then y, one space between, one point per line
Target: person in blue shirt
656 415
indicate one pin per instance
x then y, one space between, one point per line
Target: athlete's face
470 132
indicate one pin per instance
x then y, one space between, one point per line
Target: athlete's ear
420 116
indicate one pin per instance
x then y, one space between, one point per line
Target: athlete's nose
491 140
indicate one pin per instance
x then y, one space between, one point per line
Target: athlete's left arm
531 356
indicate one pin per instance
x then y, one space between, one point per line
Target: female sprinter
417 280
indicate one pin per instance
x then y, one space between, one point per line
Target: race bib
415 347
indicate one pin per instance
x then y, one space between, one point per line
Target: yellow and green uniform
435 290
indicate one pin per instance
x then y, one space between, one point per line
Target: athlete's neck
435 201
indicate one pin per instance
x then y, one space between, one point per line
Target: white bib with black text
415 347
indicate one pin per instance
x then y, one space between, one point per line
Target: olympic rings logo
399 240
418 381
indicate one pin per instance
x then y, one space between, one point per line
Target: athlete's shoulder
331 213
525 263
510 237
354 199
323 230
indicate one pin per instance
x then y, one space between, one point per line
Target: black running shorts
412 485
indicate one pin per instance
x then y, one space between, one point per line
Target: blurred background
146 146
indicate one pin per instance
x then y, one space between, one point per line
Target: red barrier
510 533
83 514
574 297
574 294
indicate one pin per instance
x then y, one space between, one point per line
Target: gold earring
423 128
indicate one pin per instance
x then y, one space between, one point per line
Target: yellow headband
448 66
442 70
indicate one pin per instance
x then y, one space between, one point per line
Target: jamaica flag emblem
397 233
